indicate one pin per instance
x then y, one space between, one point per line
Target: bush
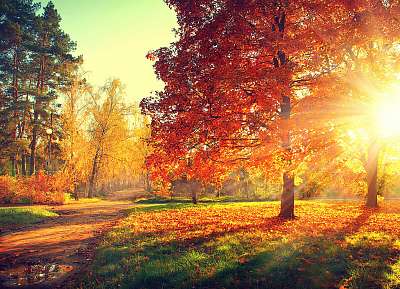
38 189
8 189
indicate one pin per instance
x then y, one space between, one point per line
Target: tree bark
194 197
23 164
13 166
21 136
287 198
92 178
280 59
148 182
32 161
14 169
40 89
372 175
92 183
75 193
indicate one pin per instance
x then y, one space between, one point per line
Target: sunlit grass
243 245
23 216
70 200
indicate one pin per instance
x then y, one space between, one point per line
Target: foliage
38 189
51 119
23 216
74 145
9 189
116 146
36 62
235 63
244 245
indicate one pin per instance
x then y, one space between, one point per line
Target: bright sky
115 36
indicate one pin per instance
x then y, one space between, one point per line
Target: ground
58 245
164 244
244 245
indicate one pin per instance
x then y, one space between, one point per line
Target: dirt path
44 255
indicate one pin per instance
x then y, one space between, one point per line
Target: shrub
38 189
8 189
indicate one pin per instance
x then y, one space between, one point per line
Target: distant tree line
36 61
51 118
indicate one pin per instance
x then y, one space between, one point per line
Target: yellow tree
117 135
74 144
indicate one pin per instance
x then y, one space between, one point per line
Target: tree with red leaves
242 81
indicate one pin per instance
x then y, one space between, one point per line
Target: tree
16 26
115 145
52 56
74 145
36 62
232 80
365 59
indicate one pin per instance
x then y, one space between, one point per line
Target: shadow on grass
234 263
225 199
156 207
232 259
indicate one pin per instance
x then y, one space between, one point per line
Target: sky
114 37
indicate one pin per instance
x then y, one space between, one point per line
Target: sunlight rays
388 117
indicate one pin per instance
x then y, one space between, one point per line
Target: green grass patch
70 200
23 216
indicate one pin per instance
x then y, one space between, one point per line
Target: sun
388 115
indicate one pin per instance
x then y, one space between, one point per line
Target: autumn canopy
274 86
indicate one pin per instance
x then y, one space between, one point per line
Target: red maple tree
247 82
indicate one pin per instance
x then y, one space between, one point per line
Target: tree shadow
178 200
229 259
358 222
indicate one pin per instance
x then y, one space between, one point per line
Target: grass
243 245
70 200
23 216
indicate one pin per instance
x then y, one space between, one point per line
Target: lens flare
388 116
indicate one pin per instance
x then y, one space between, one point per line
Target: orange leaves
39 189
314 219
8 189
151 56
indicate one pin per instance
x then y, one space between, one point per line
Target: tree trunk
32 161
40 89
147 179
24 170
194 197
75 192
13 166
23 164
14 169
92 178
92 184
372 175
287 198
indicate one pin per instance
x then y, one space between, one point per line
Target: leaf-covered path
47 253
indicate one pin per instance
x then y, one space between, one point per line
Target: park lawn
20 216
244 245
69 200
